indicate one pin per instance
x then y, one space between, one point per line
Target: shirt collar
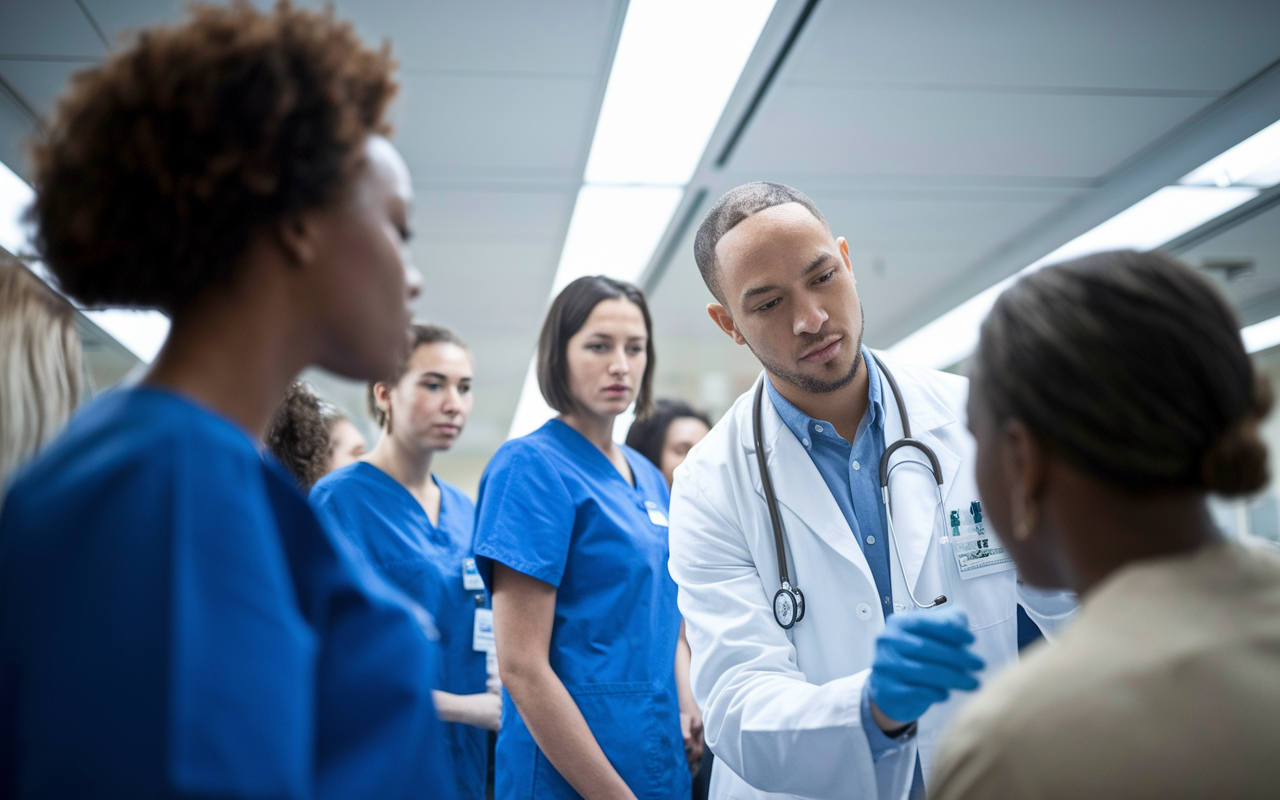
801 423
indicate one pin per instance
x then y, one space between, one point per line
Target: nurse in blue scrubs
415 529
571 535
174 620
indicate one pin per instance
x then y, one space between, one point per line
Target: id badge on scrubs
655 514
471 580
978 552
482 631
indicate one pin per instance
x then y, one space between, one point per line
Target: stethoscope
788 602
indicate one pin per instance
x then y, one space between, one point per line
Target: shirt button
806 442
864 611
856 466
871 540
886 601
818 428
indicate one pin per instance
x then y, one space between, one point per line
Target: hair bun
1236 463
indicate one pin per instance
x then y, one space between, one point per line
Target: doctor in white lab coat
784 710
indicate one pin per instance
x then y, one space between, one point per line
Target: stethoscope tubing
788 601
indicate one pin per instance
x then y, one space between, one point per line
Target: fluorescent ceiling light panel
15 196
676 65
143 332
614 231
1253 162
1147 224
1261 335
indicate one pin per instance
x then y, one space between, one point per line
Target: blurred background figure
41 379
665 438
415 529
571 537
1110 395
346 443
299 436
666 435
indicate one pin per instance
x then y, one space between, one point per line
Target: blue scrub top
174 621
553 506
382 520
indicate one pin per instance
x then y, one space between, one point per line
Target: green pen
955 523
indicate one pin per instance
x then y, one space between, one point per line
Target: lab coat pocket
638 726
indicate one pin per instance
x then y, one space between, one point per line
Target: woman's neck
409 466
597 429
1105 530
234 354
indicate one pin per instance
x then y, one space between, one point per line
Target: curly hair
299 436
162 164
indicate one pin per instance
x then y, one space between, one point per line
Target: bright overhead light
1261 335
15 196
1253 162
614 230
676 65
1147 224
142 332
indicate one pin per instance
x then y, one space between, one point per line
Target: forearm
562 733
683 689
482 710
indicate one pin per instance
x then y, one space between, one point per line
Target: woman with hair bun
174 619
1109 396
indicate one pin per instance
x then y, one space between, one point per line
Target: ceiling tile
854 131
47 28
40 83
494 128
1142 44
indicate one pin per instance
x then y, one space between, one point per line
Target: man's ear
720 316
297 238
844 253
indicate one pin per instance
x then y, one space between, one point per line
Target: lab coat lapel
912 489
800 489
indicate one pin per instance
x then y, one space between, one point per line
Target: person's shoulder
539 447
338 480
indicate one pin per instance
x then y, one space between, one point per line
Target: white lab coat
781 708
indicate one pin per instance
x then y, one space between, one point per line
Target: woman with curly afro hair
174 620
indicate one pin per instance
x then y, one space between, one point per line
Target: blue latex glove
920 658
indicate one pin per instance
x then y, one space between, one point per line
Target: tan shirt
1167 685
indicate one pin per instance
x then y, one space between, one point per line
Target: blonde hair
41 381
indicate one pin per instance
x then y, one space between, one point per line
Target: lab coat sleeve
1051 610
761 717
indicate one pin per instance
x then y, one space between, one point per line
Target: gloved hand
920 658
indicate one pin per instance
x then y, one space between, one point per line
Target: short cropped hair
567 315
422 335
1131 367
161 164
735 206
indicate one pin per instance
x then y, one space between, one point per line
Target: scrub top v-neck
425 561
553 507
175 622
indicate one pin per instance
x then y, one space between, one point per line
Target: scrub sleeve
174 621
554 508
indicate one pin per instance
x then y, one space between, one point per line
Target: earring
1025 516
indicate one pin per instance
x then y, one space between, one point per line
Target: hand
487 711
494 685
691 728
920 658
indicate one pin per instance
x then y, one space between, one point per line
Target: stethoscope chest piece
788 605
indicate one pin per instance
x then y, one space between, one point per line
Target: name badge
471 580
655 514
978 552
482 631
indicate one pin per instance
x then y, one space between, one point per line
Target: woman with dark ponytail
1109 396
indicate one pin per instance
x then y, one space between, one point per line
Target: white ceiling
951 143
